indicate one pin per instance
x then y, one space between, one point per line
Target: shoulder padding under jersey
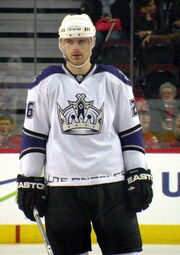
45 73
113 70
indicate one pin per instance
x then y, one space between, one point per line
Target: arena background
28 33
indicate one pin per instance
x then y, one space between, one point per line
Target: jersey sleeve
35 131
129 129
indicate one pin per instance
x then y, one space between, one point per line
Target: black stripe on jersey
133 148
129 131
32 150
34 134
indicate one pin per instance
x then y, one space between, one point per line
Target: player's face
76 50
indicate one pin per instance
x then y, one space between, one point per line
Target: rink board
159 224
151 234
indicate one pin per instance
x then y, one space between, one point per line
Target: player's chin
77 61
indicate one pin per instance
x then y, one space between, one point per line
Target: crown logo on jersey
80 117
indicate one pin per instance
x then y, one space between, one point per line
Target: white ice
39 249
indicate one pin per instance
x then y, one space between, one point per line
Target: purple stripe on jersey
45 73
29 141
133 139
113 70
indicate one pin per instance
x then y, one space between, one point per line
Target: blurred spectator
155 19
13 70
150 140
175 28
113 9
146 16
8 140
12 84
156 16
141 104
146 20
164 109
13 90
171 140
174 16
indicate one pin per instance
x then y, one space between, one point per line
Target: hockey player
82 132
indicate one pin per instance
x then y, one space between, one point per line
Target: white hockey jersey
81 133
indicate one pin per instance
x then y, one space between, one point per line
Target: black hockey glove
31 193
139 189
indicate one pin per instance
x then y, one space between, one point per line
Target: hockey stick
109 32
43 233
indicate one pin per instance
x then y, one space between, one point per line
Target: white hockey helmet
74 26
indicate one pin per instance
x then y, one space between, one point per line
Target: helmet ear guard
74 26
